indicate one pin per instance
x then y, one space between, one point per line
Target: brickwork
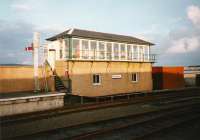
81 72
20 78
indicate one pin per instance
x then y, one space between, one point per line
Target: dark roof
98 35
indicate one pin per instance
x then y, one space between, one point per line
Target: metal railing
108 56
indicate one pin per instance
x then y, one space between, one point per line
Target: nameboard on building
117 76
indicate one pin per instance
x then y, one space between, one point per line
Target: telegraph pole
36 44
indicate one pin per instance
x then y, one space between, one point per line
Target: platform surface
26 94
19 103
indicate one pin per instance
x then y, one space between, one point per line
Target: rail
103 102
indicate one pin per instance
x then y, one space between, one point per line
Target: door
52 58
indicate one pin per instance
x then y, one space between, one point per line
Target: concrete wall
20 78
11 106
80 74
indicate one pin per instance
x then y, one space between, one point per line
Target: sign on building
117 76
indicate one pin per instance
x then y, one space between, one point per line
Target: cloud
186 40
193 13
184 45
15 36
181 45
21 7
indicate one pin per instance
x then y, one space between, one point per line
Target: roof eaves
111 39
73 32
58 35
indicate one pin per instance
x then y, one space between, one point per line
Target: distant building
192 75
166 77
96 64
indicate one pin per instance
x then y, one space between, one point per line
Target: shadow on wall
110 83
22 85
166 80
20 79
168 77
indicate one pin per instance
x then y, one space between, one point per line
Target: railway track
22 123
136 131
130 127
188 130
149 97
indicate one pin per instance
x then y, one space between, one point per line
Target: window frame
94 83
85 52
93 49
102 51
116 51
137 77
98 50
135 52
122 54
76 53
129 52
146 52
67 48
60 53
109 50
141 52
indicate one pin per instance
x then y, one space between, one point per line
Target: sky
172 25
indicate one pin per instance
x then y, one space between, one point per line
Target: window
123 51
135 52
76 48
96 79
141 53
134 77
61 54
61 48
146 52
67 47
101 50
116 51
93 47
85 49
109 51
129 52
